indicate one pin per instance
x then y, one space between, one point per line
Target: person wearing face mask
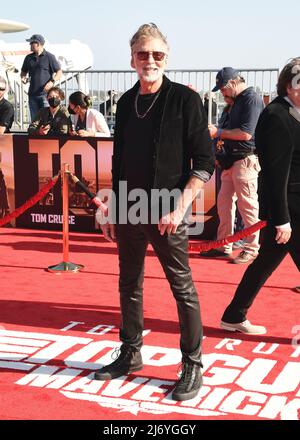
86 121
53 120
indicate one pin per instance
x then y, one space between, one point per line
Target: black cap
36 38
223 76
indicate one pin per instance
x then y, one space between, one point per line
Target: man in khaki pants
240 165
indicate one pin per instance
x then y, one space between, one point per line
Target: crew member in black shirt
43 70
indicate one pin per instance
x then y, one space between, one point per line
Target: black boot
129 360
189 383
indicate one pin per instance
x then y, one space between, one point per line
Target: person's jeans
36 103
172 252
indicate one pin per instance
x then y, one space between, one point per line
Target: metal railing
98 84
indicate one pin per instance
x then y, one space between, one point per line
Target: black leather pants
172 252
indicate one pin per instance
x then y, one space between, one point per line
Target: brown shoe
243 258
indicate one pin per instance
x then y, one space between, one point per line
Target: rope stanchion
206 246
65 265
30 203
103 207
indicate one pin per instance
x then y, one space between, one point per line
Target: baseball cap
2 83
223 76
36 38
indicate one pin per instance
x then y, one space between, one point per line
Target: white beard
151 76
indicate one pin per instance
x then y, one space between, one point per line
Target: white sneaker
244 327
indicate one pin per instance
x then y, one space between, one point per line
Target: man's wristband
219 131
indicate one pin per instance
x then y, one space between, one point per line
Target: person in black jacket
278 145
160 128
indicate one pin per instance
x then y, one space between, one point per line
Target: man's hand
48 86
212 131
44 129
170 222
24 79
108 229
283 234
109 232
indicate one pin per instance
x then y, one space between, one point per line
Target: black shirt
6 114
40 69
139 145
244 115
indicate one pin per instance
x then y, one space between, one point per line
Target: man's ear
132 62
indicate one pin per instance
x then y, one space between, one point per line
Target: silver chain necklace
141 116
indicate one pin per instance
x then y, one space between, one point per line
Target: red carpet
56 329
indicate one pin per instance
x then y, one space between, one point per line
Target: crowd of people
162 127
48 114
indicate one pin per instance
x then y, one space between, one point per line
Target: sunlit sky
201 34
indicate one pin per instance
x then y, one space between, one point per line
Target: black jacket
180 136
278 146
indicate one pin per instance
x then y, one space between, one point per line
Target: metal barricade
106 86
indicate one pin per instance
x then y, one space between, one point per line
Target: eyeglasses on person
143 55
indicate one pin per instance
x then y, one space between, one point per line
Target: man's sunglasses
1 89
144 55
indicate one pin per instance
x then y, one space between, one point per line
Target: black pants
172 252
269 257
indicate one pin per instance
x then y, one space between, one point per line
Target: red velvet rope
206 246
195 247
29 203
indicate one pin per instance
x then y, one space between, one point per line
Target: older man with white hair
161 126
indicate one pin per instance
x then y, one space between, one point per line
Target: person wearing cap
43 70
240 173
278 146
6 109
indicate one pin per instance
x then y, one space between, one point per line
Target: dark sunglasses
1 89
144 55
